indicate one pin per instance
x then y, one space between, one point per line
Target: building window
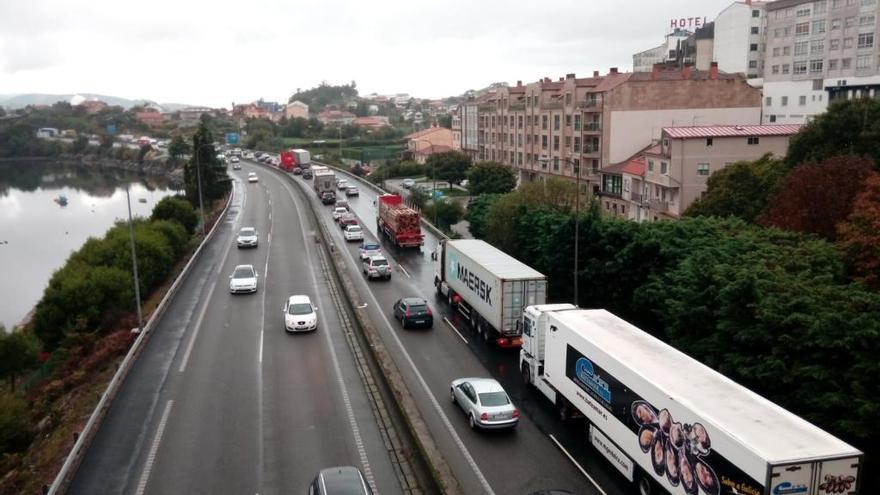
802 29
650 165
756 13
568 121
800 48
845 63
835 4
866 40
555 143
772 119
755 30
819 7
768 101
866 20
786 51
817 47
520 122
754 140
777 51
817 85
577 144
567 99
568 142
753 47
803 12
709 141
834 45
832 64
817 66
664 168
863 62
785 101
802 100
777 33
577 122
866 3
544 142
849 22
847 43
753 64
775 69
835 24
556 164
702 169
818 27
799 67
556 122
544 122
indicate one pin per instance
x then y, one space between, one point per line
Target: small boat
143 200
61 200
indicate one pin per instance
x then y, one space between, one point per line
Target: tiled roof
636 166
732 130
423 132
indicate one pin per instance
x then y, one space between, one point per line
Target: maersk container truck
666 421
488 287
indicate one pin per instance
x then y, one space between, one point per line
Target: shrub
16 425
178 209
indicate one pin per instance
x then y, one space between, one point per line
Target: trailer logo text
588 378
471 280
787 488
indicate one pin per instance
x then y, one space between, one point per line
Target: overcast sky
220 52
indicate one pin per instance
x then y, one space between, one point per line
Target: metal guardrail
84 439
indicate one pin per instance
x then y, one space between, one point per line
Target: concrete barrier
84 439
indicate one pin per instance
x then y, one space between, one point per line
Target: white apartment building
666 52
818 51
739 41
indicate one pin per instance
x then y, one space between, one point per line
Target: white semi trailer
666 421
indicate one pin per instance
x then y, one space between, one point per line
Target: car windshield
243 272
340 209
300 309
494 399
354 228
380 262
246 232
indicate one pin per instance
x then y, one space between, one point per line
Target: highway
222 400
517 462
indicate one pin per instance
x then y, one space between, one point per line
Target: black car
307 174
297 171
343 480
413 312
328 197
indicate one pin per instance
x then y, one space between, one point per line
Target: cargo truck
670 424
291 159
399 222
324 180
488 287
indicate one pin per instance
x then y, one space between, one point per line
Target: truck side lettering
473 282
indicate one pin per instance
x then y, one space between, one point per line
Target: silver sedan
485 403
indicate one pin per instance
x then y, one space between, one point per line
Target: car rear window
494 399
300 309
416 308
380 263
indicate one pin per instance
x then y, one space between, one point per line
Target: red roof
423 132
636 166
732 131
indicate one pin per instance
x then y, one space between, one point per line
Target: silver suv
377 267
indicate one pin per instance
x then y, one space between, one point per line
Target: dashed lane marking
456 330
151 457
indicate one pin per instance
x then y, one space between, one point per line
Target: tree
142 153
18 353
178 210
741 190
178 147
814 198
848 127
477 210
490 178
450 166
80 144
446 212
16 424
215 182
859 235
418 197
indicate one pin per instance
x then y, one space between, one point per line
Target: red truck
399 222
294 158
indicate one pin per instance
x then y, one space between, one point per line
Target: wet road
222 400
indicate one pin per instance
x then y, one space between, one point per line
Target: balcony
636 197
593 104
592 127
553 105
486 108
660 206
590 150
517 107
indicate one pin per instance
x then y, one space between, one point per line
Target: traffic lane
533 404
313 394
506 459
211 441
115 458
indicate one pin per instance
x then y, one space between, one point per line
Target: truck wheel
484 332
644 484
526 374
437 286
562 408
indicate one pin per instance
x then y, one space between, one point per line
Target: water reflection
37 234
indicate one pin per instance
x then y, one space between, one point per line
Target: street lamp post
134 264
577 210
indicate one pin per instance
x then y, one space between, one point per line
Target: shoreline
158 168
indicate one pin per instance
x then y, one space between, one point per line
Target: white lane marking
349 411
151 457
265 283
362 306
577 465
456 330
261 345
404 270
198 327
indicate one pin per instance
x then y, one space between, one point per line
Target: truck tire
484 332
562 408
644 484
526 374
449 299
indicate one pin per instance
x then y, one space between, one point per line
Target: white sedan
300 315
354 233
252 177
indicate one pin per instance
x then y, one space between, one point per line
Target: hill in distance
13 102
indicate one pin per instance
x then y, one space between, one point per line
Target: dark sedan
413 312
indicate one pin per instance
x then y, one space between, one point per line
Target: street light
577 211
199 178
433 174
134 265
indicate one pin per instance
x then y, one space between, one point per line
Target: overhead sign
687 23
232 138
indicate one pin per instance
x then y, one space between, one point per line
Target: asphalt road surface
515 462
222 400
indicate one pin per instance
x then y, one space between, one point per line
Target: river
37 234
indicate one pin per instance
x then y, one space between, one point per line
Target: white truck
324 180
301 158
488 287
666 421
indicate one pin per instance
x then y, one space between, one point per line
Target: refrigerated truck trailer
488 287
323 179
664 420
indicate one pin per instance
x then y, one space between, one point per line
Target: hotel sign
689 23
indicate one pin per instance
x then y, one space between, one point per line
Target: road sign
438 194
232 138
111 129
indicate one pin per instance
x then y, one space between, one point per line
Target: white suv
377 267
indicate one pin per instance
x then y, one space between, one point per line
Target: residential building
427 142
190 116
697 49
336 117
819 51
296 110
93 106
375 122
152 119
250 111
665 52
673 173
574 127
739 42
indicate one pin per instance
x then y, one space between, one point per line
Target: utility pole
134 264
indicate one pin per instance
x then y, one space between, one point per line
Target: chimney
686 72
519 83
655 71
569 76
713 70
595 73
613 70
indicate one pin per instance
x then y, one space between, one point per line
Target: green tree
418 197
18 353
80 144
107 143
859 235
491 178
16 424
178 147
741 190
477 210
450 166
176 209
447 212
142 153
848 127
215 181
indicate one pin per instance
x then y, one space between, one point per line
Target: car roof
371 245
342 479
298 299
378 257
247 228
414 300
244 266
353 226
483 385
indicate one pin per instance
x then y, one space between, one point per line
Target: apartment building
574 127
818 51
661 181
739 42
667 51
296 110
426 142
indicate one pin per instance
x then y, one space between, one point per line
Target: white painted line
404 270
456 330
261 345
577 465
151 457
198 326
362 306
